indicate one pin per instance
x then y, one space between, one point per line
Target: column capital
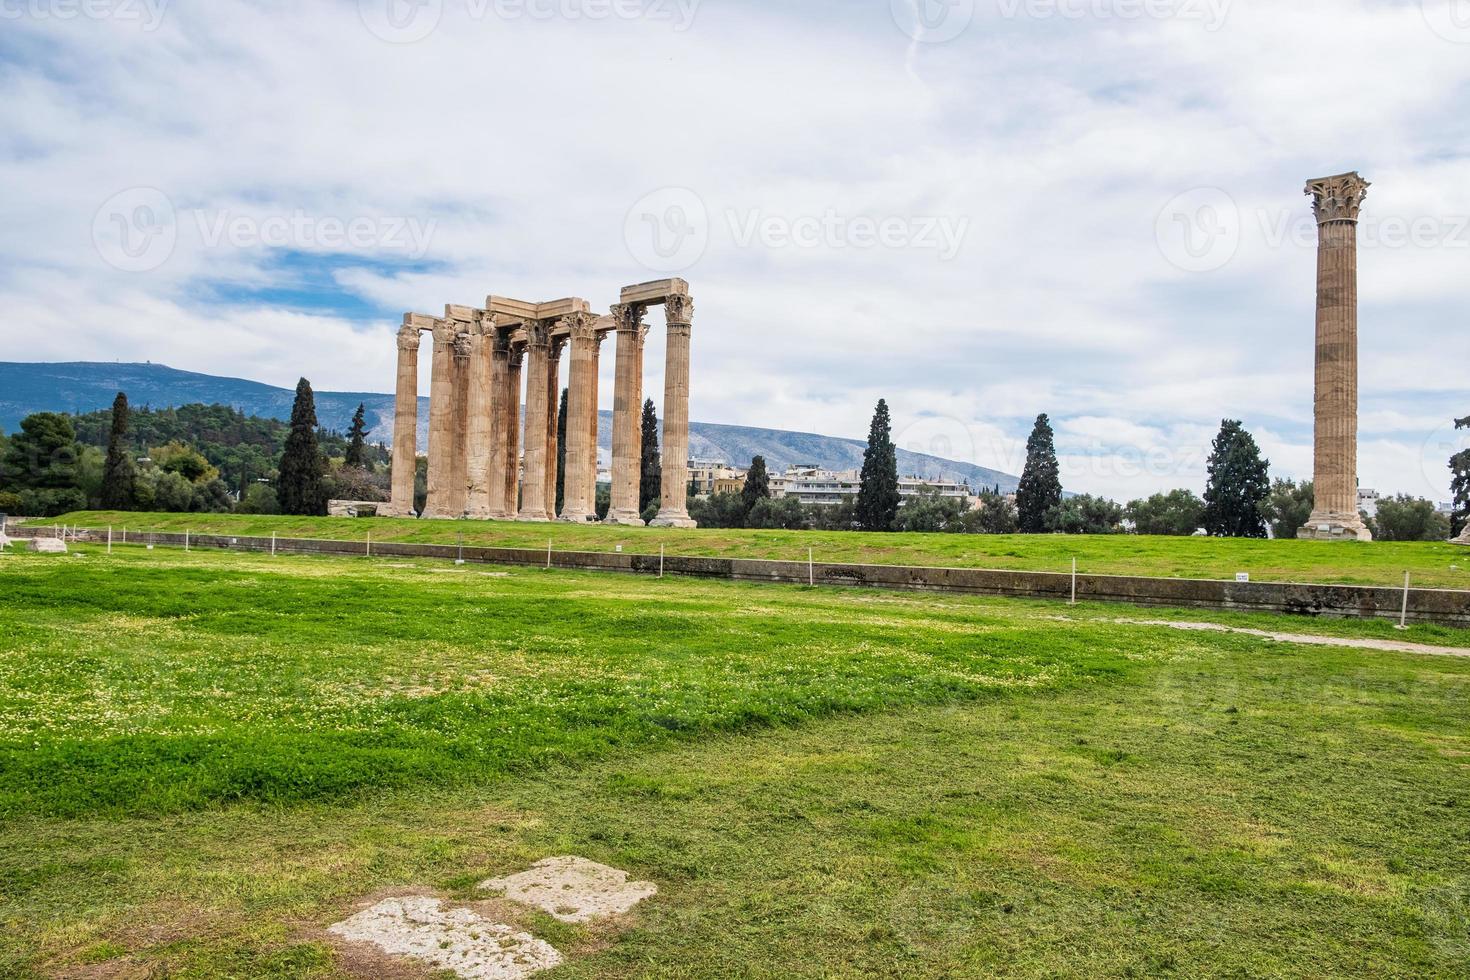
464 345
538 333
679 310
408 338
488 324
444 333
580 326
1337 198
629 316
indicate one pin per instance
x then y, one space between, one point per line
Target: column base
668 518
388 510
533 518
625 518
572 518
1464 538
1334 527
433 515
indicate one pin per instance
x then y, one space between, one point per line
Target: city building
821 487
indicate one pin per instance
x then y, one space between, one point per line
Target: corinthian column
1336 202
515 358
406 422
590 485
627 406
441 425
553 414
459 478
499 348
481 418
581 402
534 506
673 510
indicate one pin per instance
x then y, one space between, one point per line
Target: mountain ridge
85 386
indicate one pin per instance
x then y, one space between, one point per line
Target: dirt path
1361 643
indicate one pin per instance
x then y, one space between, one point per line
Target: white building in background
826 488
1368 501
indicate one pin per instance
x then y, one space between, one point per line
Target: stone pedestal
439 505
405 423
673 510
534 505
627 410
1336 202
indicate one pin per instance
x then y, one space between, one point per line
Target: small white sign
1242 576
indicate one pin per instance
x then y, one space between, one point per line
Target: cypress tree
561 452
757 484
299 488
1238 484
1041 481
357 439
650 483
1460 485
878 498
118 476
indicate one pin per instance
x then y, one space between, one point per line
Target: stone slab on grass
573 889
48 546
448 938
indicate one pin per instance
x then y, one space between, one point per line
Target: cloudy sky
978 209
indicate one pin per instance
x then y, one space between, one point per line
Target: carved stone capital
445 331
488 324
581 326
1337 198
408 339
680 310
464 345
629 316
538 333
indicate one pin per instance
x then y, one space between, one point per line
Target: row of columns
478 467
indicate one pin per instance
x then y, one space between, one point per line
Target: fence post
186 540
370 544
273 544
660 561
109 539
1404 614
1074 583
811 567
548 552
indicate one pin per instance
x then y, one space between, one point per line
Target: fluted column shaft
590 483
459 478
406 423
581 401
553 418
496 479
481 432
1336 202
673 509
627 406
515 360
441 425
534 506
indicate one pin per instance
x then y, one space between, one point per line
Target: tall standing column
406 422
673 509
481 434
589 487
553 419
499 344
441 424
459 478
1336 202
581 402
512 419
534 506
627 408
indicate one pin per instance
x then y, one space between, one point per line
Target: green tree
356 455
785 514
259 499
1085 514
299 487
1406 518
185 460
1041 481
929 510
1288 506
650 480
1179 513
1460 484
878 496
1238 484
719 510
561 452
41 466
118 473
995 515
757 485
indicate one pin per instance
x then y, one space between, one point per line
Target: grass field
206 758
1440 566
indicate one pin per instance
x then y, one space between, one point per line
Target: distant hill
86 386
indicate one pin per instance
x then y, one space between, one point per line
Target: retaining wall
1346 601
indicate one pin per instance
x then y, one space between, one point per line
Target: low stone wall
1345 601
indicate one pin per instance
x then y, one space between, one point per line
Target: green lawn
1441 566
206 758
